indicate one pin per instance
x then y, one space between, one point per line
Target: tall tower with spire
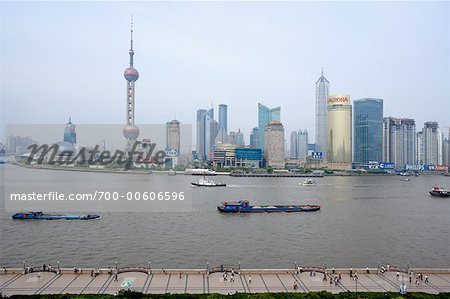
130 131
322 94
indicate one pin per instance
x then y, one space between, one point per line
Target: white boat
308 182
204 182
195 171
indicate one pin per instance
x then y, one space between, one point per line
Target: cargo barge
42 216
243 206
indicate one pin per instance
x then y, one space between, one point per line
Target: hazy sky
61 59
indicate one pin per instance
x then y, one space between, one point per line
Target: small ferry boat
439 192
308 182
204 182
243 206
42 216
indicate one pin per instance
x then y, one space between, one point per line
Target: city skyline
100 48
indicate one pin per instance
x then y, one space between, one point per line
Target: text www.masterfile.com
98 196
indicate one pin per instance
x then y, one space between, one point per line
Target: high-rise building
339 130
70 134
430 139
240 138
446 150
293 153
368 126
274 145
440 159
236 138
409 140
302 145
254 136
173 135
207 129
419 148
266 116
322 94
130 131
200 126
18 144
399 141
223 124
298 145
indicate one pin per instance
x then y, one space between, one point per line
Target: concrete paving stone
158 284
195 284
264 281
218 285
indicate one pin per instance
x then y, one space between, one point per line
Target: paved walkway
195 281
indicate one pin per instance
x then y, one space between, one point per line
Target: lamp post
149 267
24 264
115 265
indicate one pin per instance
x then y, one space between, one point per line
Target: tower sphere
130 132
131 74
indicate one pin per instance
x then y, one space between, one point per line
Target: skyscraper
70 135
130 131
274 145
399 141
293 154
266 116
173 135
409 140
223 124
339 131
430 139
419 148
440 157
302 145
368 125
240 138
254 136
207 129
322 94
446 150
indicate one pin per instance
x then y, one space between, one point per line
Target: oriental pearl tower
130 131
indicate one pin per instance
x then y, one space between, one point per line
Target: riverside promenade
14 281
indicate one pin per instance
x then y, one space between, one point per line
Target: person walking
250 279
426 278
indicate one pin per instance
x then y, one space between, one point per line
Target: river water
363 220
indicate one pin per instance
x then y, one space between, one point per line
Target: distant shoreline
217 173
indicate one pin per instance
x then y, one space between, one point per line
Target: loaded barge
243 206
42 216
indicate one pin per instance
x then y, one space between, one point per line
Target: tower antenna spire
131 42
322 71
